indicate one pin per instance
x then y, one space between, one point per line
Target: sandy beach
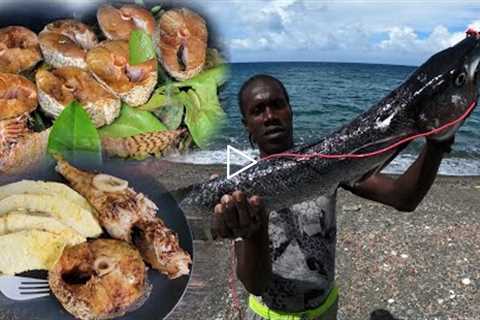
418 265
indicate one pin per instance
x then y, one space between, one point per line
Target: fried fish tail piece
122 211
142 145
159 247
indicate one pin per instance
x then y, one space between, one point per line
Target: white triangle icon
229 151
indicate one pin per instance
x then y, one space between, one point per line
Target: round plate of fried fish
117 265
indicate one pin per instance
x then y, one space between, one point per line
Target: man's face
268 117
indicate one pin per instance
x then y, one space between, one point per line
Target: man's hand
236 216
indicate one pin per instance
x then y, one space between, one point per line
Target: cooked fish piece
181 42
118 207
22 221
19 49
18 96
159 247
132 83
61 51
65 43
27 153
117 24
75 30
142 145
57 88
42 187
29 250
124 213
101 279
70 214
11 130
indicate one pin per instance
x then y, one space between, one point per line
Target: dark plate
165 293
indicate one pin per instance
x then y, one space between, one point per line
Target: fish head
447 85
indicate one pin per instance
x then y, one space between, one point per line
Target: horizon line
317 61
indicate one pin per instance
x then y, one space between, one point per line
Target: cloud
406 40
365 31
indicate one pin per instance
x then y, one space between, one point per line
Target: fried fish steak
100 279
19 49
181 42
117 24
57 88
109 63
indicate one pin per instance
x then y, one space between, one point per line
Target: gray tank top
302 247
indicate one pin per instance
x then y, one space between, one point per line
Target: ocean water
325 96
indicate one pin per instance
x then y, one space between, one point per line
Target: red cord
232 281
307 156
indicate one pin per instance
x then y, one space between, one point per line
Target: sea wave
449 167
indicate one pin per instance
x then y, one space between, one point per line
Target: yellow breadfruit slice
41 187
22 221
69 213
29 250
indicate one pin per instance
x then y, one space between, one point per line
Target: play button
231 149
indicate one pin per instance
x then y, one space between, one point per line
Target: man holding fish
286 258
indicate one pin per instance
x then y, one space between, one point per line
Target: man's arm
236 216
407 191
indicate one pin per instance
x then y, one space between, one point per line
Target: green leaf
204 116
203 113
74 136
132 122
171 115
219 74
155 9
163 96
140 47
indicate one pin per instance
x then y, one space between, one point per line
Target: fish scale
418 105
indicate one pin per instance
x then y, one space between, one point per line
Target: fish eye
460 79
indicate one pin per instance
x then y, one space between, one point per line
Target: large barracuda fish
441 90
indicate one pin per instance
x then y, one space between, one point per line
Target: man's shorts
326 311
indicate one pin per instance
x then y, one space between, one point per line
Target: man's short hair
259 77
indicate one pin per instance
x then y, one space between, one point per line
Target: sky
391 32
